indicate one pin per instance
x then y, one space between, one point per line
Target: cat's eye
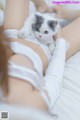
46 32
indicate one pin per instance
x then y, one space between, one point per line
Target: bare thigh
15 13
72 33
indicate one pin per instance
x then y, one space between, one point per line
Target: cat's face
45 29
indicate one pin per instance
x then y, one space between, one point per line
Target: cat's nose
40 36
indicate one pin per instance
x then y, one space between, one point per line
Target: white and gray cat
43 27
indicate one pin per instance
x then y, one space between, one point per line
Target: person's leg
72 33
20 92
44 98
15 13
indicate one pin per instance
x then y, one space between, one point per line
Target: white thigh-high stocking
54 73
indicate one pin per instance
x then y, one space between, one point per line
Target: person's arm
66 13
42 6
39 2
15 13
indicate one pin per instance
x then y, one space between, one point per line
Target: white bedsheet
68 105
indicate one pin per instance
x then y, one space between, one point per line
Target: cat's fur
43 26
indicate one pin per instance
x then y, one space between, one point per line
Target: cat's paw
23 33
51 48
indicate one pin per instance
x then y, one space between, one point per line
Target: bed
67 107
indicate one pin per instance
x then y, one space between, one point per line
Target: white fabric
1 17
27 74
68 105
2 4
72 6
69 6
33 76
24 74
54 74
28 52
23 113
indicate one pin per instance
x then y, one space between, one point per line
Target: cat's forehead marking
52 24
39 20
44 27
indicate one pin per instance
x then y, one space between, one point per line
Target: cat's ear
52 23
39 18
33 26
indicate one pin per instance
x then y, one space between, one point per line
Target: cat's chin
45 42
42 41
